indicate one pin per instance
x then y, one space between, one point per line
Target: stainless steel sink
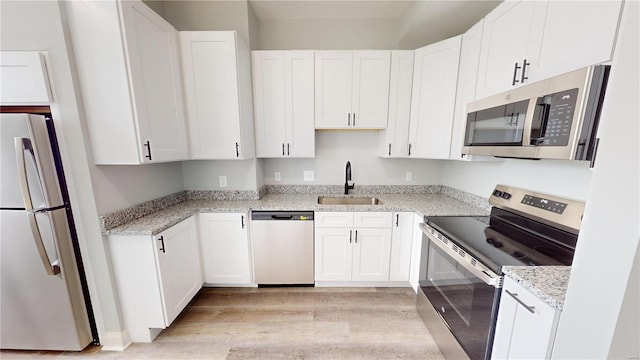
344 200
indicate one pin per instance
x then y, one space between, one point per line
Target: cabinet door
211 81
156 84
370 94
371 254
178 267
466 92
299 104
394 141
401 243
509 37
576 35
24 78
433 99
333 253
527 327
225 248
269 103
333 86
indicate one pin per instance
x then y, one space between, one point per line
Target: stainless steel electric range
462 259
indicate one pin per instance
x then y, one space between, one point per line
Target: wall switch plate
277 176
409 176
223 181
309 175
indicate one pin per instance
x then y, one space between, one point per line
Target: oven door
464 293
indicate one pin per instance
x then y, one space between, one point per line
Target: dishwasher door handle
282 217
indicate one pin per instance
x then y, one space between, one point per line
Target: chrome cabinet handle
516 67
525 63
148 145
22 145
529 308
348 119
354 119
161 239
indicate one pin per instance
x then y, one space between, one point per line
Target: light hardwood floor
284 323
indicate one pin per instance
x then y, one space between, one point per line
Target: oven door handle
487 276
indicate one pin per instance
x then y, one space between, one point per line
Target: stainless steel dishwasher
283 247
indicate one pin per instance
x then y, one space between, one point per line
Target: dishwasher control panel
258 215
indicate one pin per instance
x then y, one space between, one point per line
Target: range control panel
545 204
563 213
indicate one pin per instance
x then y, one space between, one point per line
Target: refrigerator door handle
22 145
52 268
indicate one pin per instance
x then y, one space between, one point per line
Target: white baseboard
362 284
251 285
115 341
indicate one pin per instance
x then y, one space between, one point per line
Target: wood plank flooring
283 323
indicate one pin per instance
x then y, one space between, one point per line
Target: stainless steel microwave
555 118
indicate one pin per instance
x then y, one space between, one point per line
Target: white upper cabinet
527 41
466 91
509 39
352 89
435 74
394 141
127 61
283 103
24 78
576 35
217 80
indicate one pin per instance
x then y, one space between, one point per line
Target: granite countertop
424 204
549 283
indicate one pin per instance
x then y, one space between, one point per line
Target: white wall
41 25
209 15
335 148
338 34
119 187
568 179
608 241
204 174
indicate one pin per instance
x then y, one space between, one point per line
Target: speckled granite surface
120 217
548 283
424 204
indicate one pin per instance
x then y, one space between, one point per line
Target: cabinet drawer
334 219
372 219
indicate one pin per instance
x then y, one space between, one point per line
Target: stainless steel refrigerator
43 301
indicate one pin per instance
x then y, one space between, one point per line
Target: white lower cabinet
352 246
401 245
156 277
224 243
526 325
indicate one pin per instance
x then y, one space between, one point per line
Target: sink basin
344 200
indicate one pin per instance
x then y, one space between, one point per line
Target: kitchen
118 187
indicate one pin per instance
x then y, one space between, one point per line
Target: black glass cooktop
506 239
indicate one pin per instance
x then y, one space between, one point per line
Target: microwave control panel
545 204
561 107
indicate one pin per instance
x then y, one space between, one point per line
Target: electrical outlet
409 176
309 175
277 176
223 181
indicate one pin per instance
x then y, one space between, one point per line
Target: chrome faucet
348 184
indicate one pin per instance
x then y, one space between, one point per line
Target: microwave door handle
543 123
